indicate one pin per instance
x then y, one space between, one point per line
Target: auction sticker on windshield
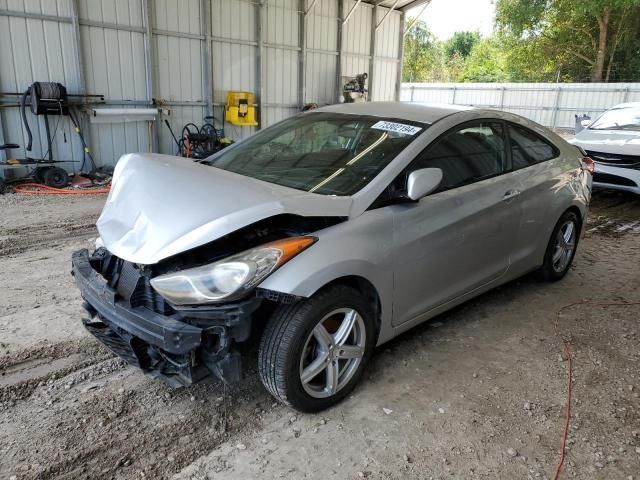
396 127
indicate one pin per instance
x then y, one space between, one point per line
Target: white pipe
116 115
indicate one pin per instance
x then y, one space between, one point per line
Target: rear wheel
313 352
561 248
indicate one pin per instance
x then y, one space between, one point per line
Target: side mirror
422 182
586 122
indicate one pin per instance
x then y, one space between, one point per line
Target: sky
444 17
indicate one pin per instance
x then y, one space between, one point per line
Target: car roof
417 112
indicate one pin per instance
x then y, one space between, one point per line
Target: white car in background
613 141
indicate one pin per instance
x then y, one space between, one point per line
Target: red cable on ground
27 189
567 351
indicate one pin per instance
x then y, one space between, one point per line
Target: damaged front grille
130 281
127 347
180 345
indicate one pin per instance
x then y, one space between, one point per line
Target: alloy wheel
564 246
332 353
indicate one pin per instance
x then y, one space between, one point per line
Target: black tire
286 336
38 175
3 186
56 177
549 271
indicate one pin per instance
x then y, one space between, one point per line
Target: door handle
510 195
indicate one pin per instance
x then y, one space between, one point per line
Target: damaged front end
180 345
172 231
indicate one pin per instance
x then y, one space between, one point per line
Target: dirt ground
477 393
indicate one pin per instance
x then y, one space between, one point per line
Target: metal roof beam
313 4
413 4
393 7
353 9
417 17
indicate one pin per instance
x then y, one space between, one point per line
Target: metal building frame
306 11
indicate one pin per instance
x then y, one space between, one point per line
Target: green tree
461 44
420 52
585 37
453 70
486 63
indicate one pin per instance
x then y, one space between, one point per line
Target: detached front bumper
181 347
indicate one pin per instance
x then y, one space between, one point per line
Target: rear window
528 148
321 152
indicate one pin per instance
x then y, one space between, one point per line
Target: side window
528 148
472 153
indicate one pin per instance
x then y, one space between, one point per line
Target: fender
361 247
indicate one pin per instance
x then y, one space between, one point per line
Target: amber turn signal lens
290 247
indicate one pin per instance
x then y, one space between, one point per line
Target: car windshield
321 152
618 119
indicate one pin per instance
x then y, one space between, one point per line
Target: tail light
589 165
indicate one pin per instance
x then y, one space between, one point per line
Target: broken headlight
229 278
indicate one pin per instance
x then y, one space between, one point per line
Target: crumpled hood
625 142
160 205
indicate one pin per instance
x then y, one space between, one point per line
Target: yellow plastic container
240 109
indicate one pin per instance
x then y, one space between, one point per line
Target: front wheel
313 352
561 248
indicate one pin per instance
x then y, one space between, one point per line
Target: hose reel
46 98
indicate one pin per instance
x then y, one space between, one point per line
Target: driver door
458 238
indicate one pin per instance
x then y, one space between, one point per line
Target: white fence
551 104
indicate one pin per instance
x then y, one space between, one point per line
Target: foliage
427 59
420 53
486 63
461 43
580 39
534 40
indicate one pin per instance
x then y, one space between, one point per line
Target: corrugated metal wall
550 104
178 43
234 54
269 47
386 59
114 65
322 52
356 40
43 49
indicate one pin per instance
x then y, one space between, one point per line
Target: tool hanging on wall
240 109
355 88
199 143
48 99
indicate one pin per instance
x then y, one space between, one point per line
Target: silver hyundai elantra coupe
323 236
